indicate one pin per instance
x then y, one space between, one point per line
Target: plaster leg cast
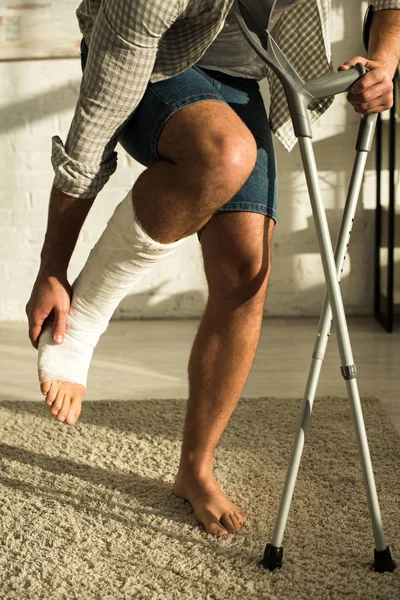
121 256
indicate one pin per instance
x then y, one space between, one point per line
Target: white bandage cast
123 253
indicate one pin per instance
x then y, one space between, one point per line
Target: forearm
373 93
66 216
123 49
384 39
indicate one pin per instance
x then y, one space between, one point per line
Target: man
193 116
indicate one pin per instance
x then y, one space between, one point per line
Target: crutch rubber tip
383 561
272 557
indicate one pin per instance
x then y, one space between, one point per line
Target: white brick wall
38 100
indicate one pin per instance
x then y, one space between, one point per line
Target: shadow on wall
153 303
32 109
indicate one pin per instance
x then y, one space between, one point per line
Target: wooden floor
148 359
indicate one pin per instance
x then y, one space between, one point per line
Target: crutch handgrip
335 83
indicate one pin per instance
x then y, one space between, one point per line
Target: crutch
253 17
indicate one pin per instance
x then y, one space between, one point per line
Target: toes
51 396
241 516
57 404
218 531
74 411
63 407
212 525
237 520
44 387
62 413
229 521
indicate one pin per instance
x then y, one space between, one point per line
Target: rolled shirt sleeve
385 4
123 49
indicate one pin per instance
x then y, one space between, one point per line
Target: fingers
369 95
373 92
35 328
352 63
376 105
48 307
372 111
369 100
60 322
34 334
374 82
36 324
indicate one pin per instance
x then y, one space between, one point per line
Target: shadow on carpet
87 512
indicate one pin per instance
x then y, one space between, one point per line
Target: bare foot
65 400
58 365
218 515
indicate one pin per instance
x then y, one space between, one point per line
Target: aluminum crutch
253 17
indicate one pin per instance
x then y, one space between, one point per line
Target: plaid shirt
133 42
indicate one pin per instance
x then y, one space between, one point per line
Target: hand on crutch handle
335 83
374 93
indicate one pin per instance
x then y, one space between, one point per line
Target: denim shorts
163 99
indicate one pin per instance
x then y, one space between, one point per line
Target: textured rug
87 512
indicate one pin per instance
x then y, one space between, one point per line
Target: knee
242 282
250 283
235 158
225 164
238 157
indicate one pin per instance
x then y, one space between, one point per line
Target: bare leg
237 269
208 153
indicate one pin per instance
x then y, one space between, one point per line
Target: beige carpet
87 512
